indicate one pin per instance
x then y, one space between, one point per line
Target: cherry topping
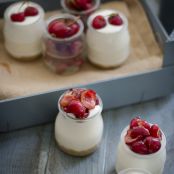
139 131
139 147
143 138
18 17
31 11
115 19
88 98
62 28
155 131
99 22
80 5
75 107
66 99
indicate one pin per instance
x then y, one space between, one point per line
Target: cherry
31 11
139 147
155 131
129 140
153 144
61 29
88 99
18 17
139 131
80 4
99 22
66 99
75 107
115 19
134 122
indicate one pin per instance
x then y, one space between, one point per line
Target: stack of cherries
20 16
80 5
79 102
143 137
100 22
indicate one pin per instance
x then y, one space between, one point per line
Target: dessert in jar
142 145
63 43
82 8
108 39
23 29
79 123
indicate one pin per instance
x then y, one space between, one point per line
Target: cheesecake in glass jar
79 123
63 44
23 29
108 39
142 145
81 8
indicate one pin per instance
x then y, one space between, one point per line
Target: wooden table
34 151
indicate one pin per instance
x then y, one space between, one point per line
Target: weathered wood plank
25 151
34 151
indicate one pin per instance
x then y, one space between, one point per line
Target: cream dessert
108 39
142 145
63 44
79 124
23 29
82 8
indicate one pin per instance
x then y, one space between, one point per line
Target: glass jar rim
91 17
163 145
64 16
76 119
41 12
96 5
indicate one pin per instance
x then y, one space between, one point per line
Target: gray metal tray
41 108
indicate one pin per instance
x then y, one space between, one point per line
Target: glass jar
126 158
83 14
23 39
79 137
108 47
64 55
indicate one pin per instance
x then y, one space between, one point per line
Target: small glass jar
126 158
79 137
83 14
109 46
23 39
64 55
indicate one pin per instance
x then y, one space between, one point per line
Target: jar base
77 153
107 67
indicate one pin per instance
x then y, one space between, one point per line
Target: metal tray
41 108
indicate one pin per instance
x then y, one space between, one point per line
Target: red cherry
58 29
153 144
66 99
129 140
145 124
18 17
80 4
74 29
75 107
115 19
99 22
134 122
155 131
88 99
139 147
139 131
31 11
